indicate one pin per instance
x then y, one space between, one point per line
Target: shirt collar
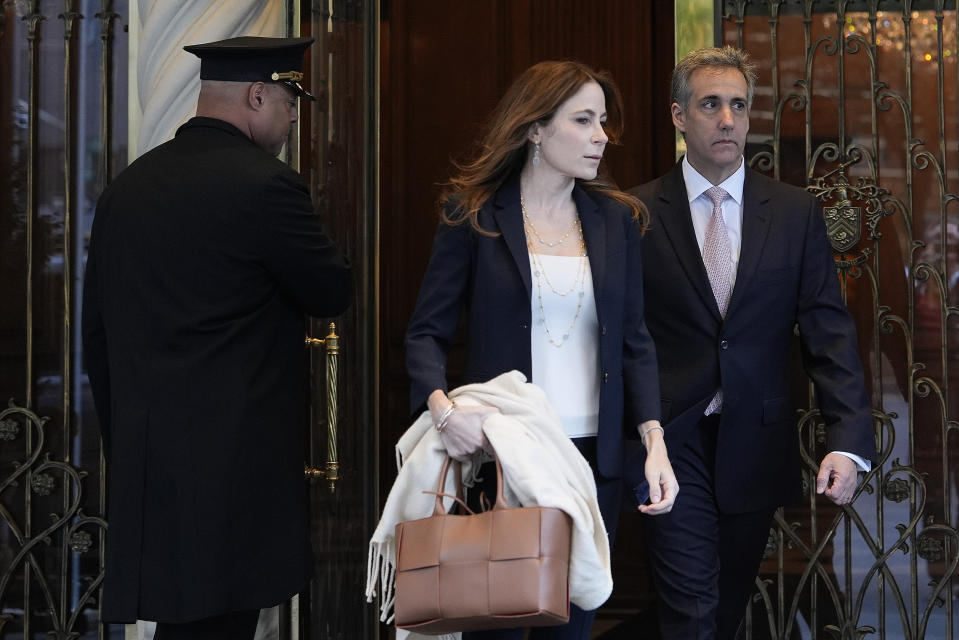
696 184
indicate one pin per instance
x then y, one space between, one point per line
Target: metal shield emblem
843 225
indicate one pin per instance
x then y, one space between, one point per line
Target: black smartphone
641 493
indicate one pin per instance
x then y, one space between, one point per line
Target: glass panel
859 107
59 141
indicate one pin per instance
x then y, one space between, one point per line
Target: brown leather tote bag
505 567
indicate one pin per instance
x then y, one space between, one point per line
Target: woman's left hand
659 473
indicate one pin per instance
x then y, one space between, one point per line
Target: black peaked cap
254 59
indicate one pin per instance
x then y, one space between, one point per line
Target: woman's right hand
463 434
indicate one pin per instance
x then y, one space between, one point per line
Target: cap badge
294 76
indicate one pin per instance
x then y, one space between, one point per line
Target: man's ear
256 95
679 116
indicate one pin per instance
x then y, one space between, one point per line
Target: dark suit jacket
786 279
205 255
489 278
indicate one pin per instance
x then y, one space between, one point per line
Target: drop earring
536 153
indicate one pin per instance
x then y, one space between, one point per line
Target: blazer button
605 377
524 326
724 345
603 330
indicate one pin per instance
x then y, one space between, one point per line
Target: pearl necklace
539 273
529 223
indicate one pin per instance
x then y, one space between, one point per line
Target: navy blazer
489 278
786 280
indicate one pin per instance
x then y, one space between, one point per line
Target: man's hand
838 477
659 473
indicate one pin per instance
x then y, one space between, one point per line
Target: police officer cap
254 59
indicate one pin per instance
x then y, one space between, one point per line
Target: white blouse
569 374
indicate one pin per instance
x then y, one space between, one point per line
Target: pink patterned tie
716 253
719 266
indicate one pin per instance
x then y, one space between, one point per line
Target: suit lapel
509 218
677 226
594 234
754 231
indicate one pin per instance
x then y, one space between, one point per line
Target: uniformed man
206 257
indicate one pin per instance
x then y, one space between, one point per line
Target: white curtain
164 79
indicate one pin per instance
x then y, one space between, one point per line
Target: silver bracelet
646 433
444 419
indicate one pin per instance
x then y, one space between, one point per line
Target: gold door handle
332 469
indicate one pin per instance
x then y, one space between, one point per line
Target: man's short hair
716 58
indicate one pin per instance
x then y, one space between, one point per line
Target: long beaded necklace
539 273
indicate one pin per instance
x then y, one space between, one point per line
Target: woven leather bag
500 568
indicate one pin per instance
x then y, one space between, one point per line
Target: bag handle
438 509
501 502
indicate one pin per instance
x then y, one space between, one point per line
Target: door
854 103
338 158
63 135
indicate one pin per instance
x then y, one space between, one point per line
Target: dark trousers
704 561
239 625
609 495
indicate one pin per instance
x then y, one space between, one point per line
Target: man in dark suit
733 262
206 255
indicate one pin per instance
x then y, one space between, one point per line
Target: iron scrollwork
42 484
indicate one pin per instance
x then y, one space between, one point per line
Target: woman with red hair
541 251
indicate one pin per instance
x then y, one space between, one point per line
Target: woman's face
573 141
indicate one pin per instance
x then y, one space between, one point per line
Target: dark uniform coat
490 278
205 257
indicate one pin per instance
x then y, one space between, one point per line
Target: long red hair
533 98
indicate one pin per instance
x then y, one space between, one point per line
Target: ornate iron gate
857 102
58 150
